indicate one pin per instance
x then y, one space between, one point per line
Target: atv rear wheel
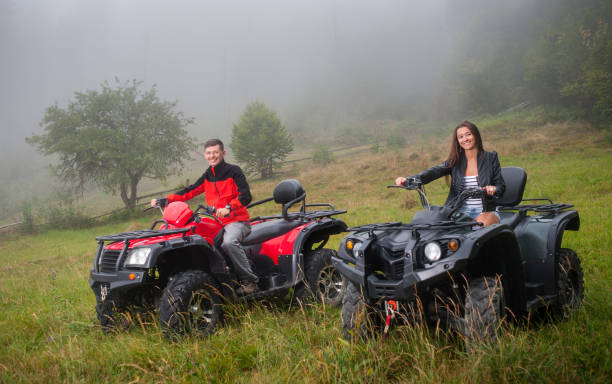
322 281
359 320
191 303
570 282
483 310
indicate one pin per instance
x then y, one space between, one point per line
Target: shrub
322 155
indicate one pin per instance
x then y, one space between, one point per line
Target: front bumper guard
99 281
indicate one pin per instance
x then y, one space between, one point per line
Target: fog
214 57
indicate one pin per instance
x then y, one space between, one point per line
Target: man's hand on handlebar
222 212
400 181
160 203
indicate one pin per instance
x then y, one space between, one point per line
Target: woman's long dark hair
456 151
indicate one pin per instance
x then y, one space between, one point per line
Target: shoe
247 288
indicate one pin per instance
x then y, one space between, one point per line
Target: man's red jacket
222 185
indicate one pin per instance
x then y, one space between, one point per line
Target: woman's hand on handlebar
400 181
490 189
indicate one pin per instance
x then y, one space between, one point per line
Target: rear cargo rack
538 208
306 216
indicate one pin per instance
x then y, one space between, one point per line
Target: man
226 189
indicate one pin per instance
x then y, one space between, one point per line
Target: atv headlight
358 249
138 257
433 252
354 247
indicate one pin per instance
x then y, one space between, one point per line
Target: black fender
566 220
318 231
191 252
496 251
540 238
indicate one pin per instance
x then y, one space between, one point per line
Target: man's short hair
213 142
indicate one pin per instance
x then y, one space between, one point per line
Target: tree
259 140
114 138
571 64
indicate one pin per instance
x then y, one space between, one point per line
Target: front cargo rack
125 237
142 234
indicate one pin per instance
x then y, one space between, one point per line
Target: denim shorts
474 212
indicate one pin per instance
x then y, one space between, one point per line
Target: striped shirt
472 182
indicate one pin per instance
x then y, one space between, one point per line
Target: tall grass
49 333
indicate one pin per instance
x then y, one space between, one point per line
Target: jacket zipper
215 184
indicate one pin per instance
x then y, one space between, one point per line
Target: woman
469 165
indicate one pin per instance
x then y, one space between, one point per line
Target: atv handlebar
206 211
415 184
468 193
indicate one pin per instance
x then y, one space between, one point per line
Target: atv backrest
287 191
515 179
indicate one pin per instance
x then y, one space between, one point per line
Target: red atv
181 270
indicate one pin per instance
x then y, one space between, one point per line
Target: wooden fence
362 148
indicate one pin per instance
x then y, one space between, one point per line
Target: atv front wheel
570 282
359 320
322 281
483 310
109 312
191 303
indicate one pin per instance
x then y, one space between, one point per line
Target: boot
247 288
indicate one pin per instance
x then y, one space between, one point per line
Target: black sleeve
496 177
434 173
244 192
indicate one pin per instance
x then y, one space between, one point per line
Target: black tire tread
176 297
482 317
108 311
309 289
358 319
568 262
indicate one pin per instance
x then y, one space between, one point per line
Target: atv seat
515 179
269 229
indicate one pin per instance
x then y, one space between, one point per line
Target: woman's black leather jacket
489 173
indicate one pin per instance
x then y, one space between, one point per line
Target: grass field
48 329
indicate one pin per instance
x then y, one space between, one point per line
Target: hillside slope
49 333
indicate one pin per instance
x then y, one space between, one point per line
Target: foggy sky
214 57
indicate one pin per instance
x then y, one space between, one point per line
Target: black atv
181 272
444 268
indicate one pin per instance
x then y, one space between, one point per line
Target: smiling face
466 138
214 155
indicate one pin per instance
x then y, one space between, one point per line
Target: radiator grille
109 259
